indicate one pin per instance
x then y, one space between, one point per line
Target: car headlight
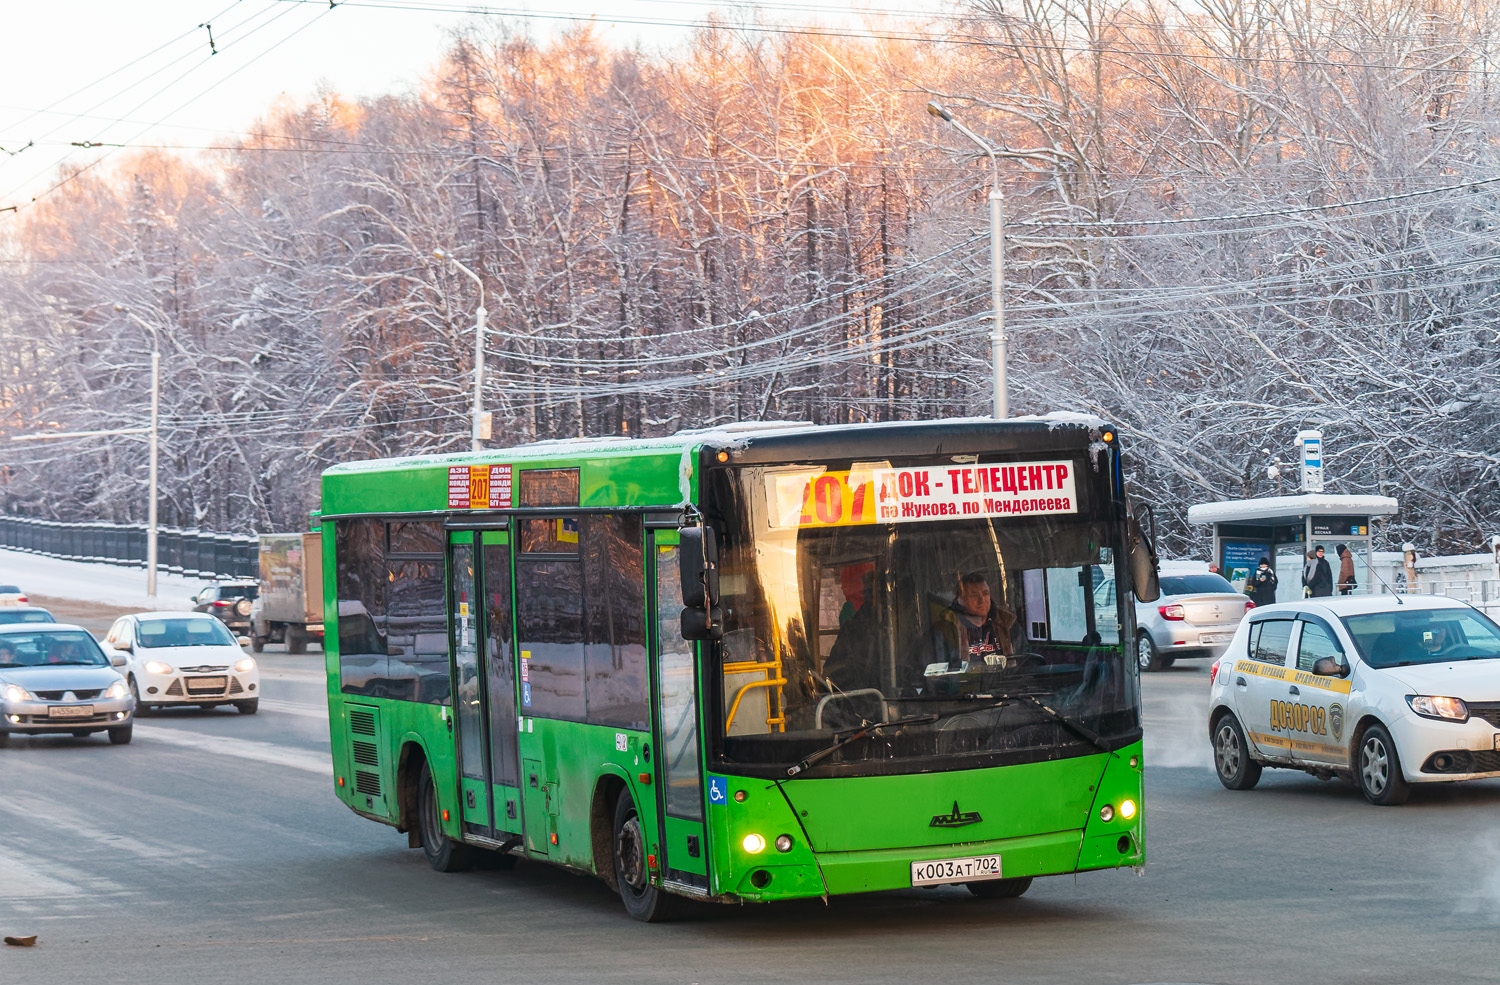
157 667
118 689
15 692
1447 709
247 664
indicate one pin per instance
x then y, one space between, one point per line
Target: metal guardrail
193 553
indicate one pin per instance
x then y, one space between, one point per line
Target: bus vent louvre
367 783
366 753
362 722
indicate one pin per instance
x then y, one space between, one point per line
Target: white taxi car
184 658
1384 690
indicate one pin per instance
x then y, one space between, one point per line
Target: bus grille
367 783
362 722
365 753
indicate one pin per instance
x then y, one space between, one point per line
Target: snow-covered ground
105 583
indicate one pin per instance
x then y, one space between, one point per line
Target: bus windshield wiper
1067 722
859 733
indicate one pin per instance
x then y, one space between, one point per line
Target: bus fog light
1127 809
1107 812
783 843
754 844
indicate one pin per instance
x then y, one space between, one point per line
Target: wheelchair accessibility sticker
718 790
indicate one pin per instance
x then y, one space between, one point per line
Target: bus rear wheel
1000 888
642 900
443 853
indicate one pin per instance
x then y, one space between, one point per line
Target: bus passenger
975 631
854 661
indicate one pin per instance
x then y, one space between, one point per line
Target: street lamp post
151 482
479 315
997 261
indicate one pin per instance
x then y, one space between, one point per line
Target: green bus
748 663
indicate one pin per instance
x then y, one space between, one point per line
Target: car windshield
25 615
945 629
1423 636
183 632
1204 584
52 648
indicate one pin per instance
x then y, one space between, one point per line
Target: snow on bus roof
729 435
1308 504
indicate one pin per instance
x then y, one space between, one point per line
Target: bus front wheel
443 853
642 900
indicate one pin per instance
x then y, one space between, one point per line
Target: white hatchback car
184 658
1386 691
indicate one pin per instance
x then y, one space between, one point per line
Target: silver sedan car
54 679
1196 616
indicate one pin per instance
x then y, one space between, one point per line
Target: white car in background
1384 690
12 595
184 658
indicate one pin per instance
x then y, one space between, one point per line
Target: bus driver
975 632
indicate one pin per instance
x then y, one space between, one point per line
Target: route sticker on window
815 498
718 790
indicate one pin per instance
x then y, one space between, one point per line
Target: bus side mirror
698 563
703 624
1141 560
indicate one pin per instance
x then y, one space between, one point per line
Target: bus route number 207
945 870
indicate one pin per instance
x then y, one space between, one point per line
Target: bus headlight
754 844
1127 809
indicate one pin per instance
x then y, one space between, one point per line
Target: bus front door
677 716
483 682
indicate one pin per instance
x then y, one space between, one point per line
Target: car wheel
141 708
443 853
296 640
1379 769
1146 654
642 900
1000 888
248 707
1232 762
4 739
1167 662
121 736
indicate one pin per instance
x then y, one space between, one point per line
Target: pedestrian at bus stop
1346 569
1262 584
1317 576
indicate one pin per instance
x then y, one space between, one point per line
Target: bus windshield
982 640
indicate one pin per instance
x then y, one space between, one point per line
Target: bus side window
617 685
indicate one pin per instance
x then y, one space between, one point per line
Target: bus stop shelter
1285 528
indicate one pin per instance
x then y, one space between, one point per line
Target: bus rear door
484 702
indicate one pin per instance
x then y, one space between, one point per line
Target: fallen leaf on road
21 941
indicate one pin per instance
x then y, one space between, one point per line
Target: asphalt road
212 850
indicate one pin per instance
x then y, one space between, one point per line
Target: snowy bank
105 583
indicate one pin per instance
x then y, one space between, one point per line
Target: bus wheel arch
602 827
408 778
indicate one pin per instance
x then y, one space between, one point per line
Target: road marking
261 752
293 708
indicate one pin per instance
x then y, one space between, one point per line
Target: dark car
24 613
230 601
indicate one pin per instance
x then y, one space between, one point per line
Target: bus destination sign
809 498
479 487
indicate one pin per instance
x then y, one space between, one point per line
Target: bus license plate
70 711
945 870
